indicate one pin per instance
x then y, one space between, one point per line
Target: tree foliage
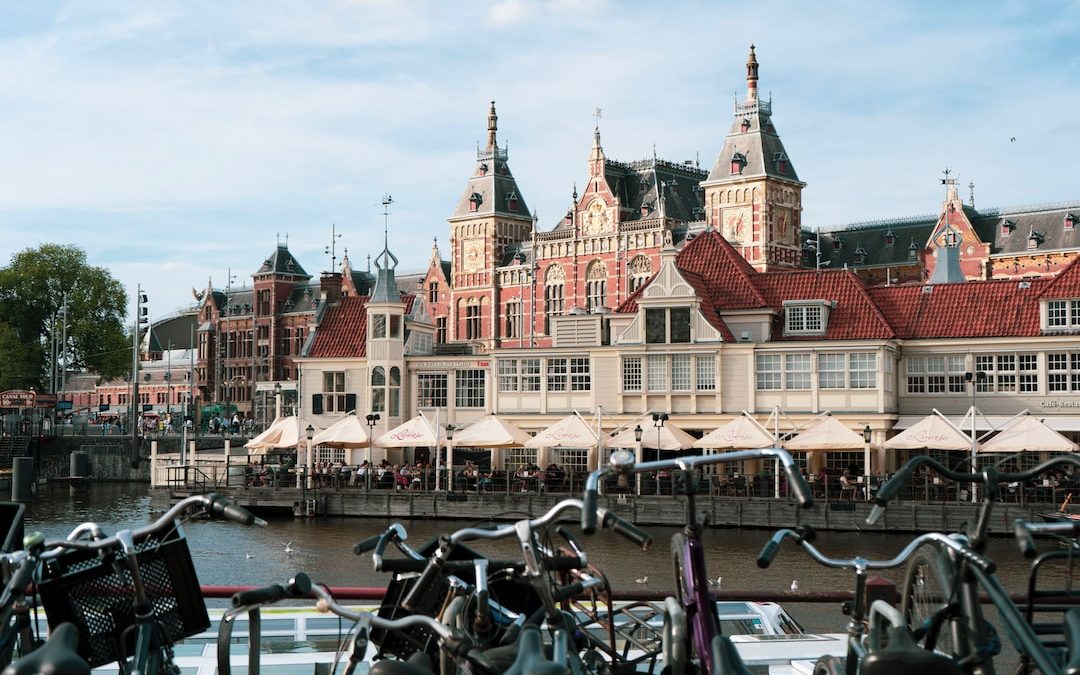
32 289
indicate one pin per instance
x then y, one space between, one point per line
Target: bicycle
1061 636
940 593
80 580
872 651
692 594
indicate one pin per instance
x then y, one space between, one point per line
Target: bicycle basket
89 591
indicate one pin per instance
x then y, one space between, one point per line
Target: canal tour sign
18 398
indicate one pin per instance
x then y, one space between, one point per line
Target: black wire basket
96 594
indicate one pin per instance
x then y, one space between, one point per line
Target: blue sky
174 140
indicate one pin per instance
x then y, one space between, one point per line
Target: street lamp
371 420
277 401
638 431
866 460
658 422
449 455
310 464
975 378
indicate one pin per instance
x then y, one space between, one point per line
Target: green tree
32 290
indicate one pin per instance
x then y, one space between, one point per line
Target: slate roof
282 263
759 145
1046 221
343 330
639 183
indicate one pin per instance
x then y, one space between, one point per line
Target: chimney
330 286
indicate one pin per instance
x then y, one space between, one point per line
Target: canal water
226 553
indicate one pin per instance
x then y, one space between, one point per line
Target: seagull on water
644 579
794 584
288 547
249 556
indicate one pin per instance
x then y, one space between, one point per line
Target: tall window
431 390
768 369
831 372
519 375
658 372
557 375
706 373
631 373
386 391
378 389
440 330
433 292
472 320
680 372
394 392
263 302
797 371
378 325
639 271
334 392
470 388
513 319
554 282
668 325
580 376
596 285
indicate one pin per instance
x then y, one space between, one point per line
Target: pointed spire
385 283
596 155
492 128
751 76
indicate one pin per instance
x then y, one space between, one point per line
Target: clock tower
753 196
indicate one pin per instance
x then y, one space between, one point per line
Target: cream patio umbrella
416 432
741 433
666 436
933 432
284 432
1028 433
491 432
348 432
830 433
571 431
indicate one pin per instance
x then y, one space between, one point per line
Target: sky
177 141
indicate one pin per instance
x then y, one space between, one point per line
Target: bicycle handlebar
297 587
892 486
622 463
1024 532
768 552
211 504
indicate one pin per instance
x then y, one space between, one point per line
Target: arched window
639 270
378 389
554 281
472 319
596 285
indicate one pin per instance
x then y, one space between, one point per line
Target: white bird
288 547
643 580
794 584
715 583
249 556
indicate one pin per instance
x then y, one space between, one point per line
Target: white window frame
631 373
334 391
470 387
806 317
706 373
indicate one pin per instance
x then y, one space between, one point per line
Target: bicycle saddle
725 659
531 659
417 664
1072 639
56 656
902 656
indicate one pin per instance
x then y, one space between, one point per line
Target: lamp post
975 379
310 464
658 422
638 431
449 456
371 420
277 401
866 460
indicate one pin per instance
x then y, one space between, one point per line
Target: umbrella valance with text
419 431
932 432
569 432
741 433
1031 434
828 434
666 437
491 432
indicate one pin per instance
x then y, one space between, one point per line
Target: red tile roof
972 309
729 277
854 316
343 330
1066 284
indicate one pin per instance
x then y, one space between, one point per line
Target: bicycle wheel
927 597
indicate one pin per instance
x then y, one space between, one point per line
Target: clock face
737 224
597 220
472 255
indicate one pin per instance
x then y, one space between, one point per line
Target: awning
347 432
741 433
491 432
570 432
283 433
419 431
933 432
963 422
828 434
666 437
1029 433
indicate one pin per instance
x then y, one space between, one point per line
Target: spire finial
493 126
751 76
971 193
574 195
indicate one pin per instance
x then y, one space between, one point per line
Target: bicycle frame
696 598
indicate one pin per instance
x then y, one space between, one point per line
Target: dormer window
290 265
860 255
1069 222
913 250
837 244
569 219
483 168
1062 314
806 317
745 126
1007 226
1034 239
646 208
890 238
781 161
738 162
475 200
512 201
642 185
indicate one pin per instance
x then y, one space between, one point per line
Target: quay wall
643 511
111 456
